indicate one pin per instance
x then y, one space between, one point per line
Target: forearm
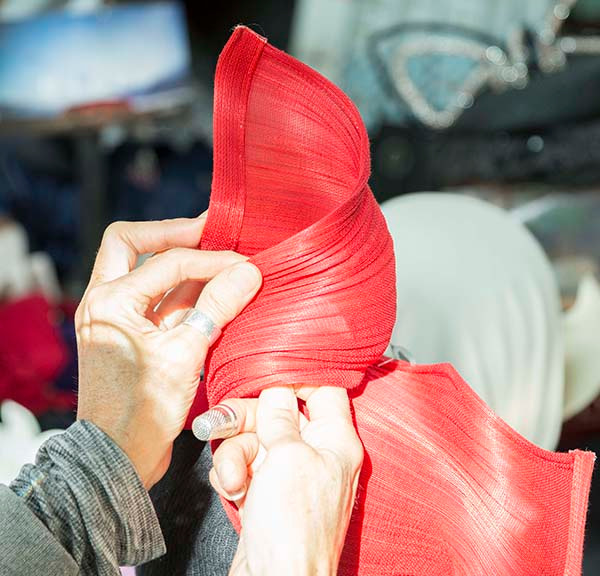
86 492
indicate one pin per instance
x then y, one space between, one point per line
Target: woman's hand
294 480
138 367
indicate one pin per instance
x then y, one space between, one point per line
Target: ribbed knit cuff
88 494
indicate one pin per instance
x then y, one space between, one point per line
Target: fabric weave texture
447 487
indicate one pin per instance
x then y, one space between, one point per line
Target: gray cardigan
81 509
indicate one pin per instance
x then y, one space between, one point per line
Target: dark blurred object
189 511
154 182
567 224
578 430
583 432
210 23
38 189
586 13
57 419
66 380
415 159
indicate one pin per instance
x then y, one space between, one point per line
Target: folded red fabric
447 487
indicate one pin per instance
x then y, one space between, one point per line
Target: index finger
167 270
123 242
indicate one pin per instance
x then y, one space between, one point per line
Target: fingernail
245 276
237 495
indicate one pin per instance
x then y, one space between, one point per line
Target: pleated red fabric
447 487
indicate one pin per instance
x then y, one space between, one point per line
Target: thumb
277 417
222 299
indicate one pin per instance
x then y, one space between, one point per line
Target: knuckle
182 350
79 314
284 417
357 454
247 449
114 229
230 255
96 302
353 450
177 258
178 253
281 425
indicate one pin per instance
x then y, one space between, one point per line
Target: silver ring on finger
203 323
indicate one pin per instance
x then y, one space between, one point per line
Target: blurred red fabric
447 487
32 354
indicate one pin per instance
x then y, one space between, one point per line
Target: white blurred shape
22 273
15 273
475 289
20 439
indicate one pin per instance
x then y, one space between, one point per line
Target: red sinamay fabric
447 487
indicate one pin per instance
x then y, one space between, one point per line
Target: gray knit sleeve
87 493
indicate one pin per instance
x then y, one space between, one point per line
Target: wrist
147 457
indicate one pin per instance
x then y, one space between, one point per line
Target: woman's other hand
294 480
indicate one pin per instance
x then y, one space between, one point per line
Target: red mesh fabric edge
582 463
233 78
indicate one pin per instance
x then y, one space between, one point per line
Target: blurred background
106 114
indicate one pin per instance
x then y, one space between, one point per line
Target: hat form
475 289
447 487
